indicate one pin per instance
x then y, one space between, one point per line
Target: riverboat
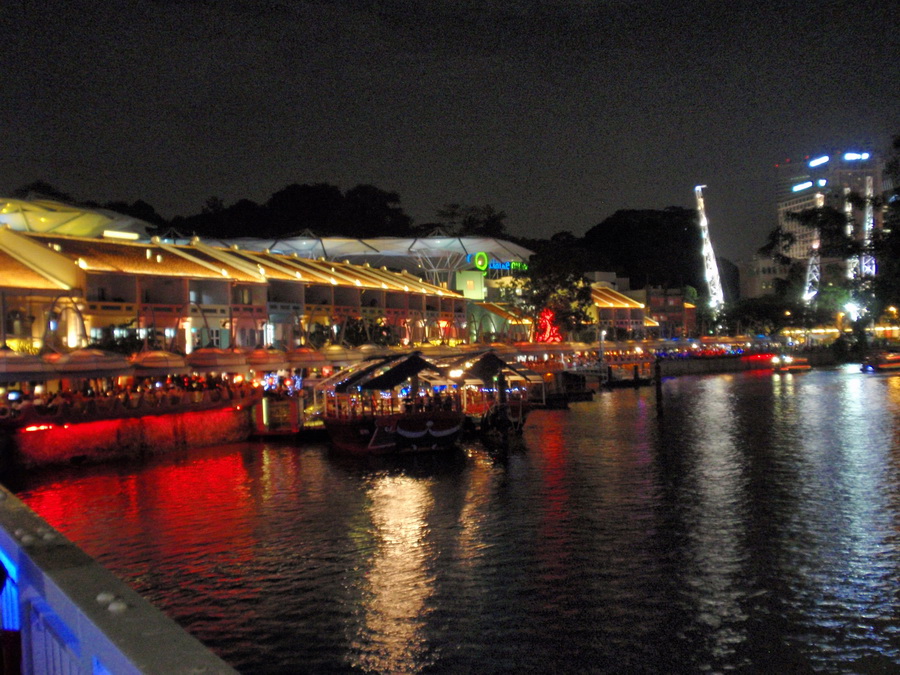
391 405
882 361
496 396
785 363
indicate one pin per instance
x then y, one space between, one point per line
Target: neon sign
483 262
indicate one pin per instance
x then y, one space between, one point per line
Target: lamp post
602 338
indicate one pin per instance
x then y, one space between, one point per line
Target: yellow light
116 234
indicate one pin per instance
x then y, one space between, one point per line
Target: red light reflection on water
173 501
555 522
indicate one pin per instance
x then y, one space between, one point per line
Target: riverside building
63 291
827 179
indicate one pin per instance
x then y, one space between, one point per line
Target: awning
211 359
388 374
607 297
504 311
156 363
267 360
89 363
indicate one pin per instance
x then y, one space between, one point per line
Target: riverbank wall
126 438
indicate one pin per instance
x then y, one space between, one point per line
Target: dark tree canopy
363 211
650 247
296 208
371 212
473 221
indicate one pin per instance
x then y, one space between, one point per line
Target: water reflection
388 633
716 521
753 528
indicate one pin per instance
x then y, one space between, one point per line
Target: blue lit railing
63 613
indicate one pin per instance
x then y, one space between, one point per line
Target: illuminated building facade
64 291
825 179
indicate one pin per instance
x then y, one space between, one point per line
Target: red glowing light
39 427
546 329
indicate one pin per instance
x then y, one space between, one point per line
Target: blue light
802 186
855 156
11 569
822 182
818 161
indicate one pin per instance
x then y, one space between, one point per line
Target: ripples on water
750 529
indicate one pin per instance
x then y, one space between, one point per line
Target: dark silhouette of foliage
473 221
555 280
317 208
371 212
41 188
650 247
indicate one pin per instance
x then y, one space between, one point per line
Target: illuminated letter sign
483 262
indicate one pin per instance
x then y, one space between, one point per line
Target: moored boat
785 363
882 361
391 405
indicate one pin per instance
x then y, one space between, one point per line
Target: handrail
74 616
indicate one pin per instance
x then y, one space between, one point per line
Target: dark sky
557 112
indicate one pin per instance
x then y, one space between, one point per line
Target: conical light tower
711 268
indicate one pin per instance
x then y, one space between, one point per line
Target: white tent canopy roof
48 216
335 248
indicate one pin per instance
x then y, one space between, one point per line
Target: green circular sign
481 261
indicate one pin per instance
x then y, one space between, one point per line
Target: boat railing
356 406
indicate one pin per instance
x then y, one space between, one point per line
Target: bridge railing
64 613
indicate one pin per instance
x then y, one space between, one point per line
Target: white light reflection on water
716 520
386 635
845 576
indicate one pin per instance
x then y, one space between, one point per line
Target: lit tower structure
711 268
829 179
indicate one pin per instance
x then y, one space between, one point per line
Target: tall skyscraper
826 179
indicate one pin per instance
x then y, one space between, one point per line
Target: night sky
558 113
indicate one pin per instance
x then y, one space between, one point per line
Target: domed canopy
341 356
18 367
157 363
267 360
307 357
214 360
89 363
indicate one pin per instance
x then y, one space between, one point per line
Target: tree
473 221
371 212
650 247
886 242
295 208
554 281
41 188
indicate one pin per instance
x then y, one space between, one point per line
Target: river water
751 528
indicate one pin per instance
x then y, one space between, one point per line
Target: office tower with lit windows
826 179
